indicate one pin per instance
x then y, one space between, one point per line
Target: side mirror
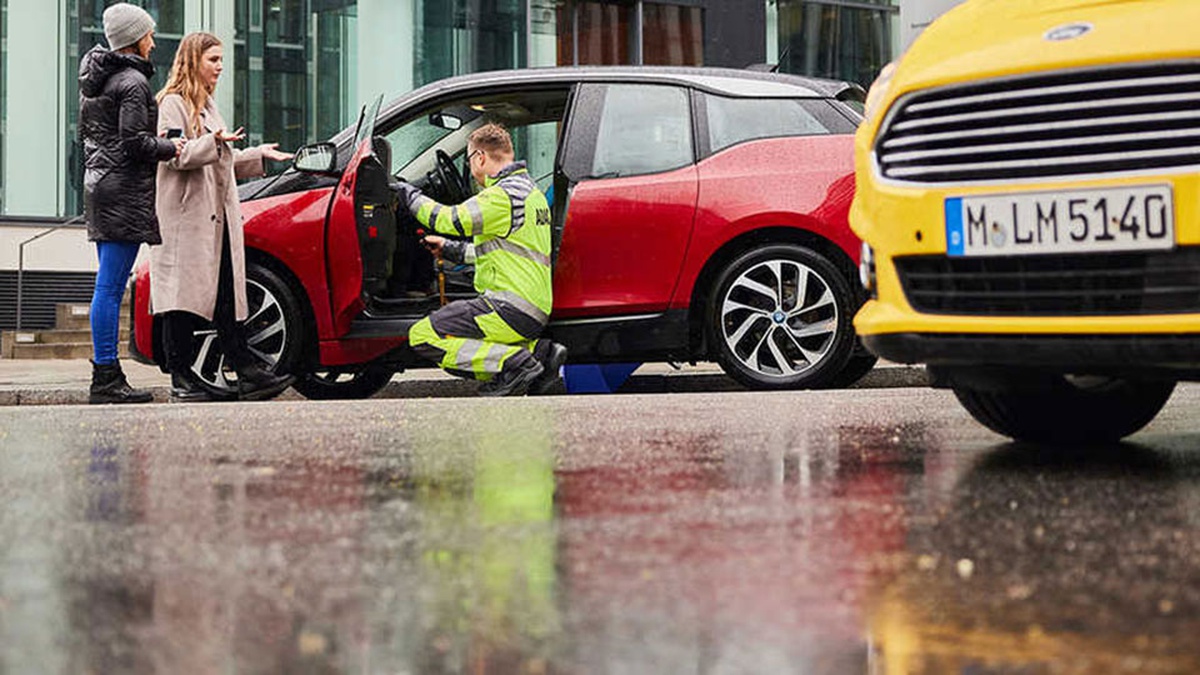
446 121
316 158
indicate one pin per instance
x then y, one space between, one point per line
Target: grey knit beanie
125 24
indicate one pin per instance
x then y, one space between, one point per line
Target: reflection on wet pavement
812 532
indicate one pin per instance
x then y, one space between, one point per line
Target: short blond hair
492 139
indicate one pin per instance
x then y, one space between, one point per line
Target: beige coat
197 192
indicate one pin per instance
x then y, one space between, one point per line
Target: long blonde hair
184 78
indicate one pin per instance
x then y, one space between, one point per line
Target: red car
698 214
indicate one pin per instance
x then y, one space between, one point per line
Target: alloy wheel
779 318
266 336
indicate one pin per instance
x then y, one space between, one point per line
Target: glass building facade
297 71
841 39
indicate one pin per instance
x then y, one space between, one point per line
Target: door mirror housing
316 158
446 121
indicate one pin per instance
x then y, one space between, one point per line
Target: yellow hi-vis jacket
509 222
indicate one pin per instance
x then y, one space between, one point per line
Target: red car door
631 189
342 244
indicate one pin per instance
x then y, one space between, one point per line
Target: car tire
754 316
854 370
351 383
274 332
1068 410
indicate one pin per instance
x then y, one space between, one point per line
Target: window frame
580 154
704 132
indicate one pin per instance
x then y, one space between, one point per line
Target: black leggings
179 326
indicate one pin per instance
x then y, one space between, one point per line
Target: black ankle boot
110 386
256 383
185 389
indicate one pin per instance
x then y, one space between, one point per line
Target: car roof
728 81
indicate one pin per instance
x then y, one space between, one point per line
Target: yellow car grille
1111 284
1064 124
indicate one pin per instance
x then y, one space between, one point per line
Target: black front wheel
355 382
274 333
780 318
1068 410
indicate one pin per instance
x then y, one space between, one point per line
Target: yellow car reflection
1029 201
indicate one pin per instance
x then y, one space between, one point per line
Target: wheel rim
266 336
779 318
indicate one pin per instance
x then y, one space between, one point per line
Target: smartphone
174 133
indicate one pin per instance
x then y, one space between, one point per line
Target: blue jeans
116 260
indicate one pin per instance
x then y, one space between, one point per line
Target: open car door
360 234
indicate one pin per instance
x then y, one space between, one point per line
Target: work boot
185 388
110 386
256 383
552 361
512 382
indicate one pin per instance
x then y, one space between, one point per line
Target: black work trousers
179 327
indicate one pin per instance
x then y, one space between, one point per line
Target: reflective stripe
419 202
466 354
454 220
491 362
518 188
518 303
476 216
518 216
513 248
433 215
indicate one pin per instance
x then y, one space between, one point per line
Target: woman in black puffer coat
118 120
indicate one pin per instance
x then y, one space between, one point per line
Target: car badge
1068 31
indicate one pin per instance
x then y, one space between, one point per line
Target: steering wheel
447 177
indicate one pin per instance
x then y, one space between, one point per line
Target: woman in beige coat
198 274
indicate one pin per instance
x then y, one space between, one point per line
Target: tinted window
644 129
734 120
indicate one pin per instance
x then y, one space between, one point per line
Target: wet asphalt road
856 531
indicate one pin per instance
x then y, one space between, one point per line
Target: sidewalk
51 381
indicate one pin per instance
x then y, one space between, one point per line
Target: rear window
737 120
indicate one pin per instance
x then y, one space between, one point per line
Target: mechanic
493 337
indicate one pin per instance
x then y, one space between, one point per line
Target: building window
840 39
3 98
595 32
672 35
85 19
467 36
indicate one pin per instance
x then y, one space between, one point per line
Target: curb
882 377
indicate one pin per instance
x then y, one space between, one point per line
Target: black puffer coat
118 121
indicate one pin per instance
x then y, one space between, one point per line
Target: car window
735 120
408 141
644 129
537 144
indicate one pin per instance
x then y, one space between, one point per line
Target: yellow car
1028 194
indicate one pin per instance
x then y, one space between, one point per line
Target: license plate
1080 221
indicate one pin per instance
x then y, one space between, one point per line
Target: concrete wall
66 250
915 15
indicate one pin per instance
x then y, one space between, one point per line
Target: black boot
256 383
512 382
110 386
552 360
186 389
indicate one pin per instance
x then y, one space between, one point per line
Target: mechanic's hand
434 243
